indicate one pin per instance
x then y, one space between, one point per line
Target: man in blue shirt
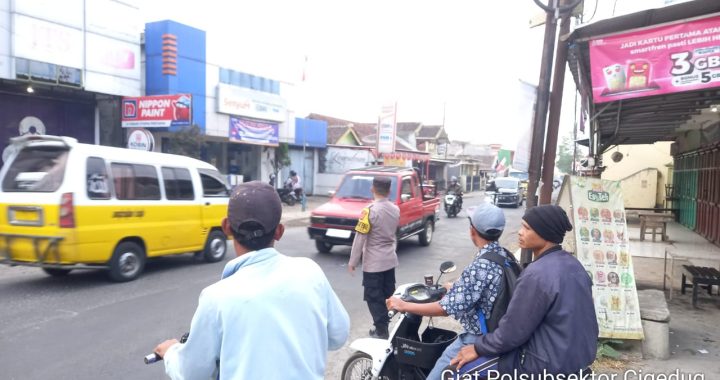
474 292
270 316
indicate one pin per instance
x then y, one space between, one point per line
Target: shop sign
114 57
602 247
386 129
48 42
141 139
240 101
253 132
157 111
661 60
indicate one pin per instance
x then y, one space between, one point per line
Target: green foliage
605 348
565 155
187 141
282 157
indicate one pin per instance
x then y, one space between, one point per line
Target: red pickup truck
334 222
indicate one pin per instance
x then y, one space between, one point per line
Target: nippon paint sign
160 111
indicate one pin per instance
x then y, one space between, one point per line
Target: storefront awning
407 155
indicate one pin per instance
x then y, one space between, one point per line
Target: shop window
178 184
135 182
98 184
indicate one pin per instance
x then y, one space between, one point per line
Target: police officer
375 243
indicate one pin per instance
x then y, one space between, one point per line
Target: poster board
601 244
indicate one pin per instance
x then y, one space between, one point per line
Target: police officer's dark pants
379 286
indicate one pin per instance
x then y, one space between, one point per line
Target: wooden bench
699 276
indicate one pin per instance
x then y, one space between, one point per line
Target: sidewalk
293 216
694 333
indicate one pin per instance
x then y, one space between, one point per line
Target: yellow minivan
66 205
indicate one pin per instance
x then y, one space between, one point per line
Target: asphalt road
84 327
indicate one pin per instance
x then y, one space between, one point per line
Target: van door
215 197
185 223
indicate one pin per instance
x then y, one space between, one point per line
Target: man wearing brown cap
375 243
550 327
270 316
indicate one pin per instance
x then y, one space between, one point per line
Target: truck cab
334 222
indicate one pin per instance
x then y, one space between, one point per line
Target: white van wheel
215 247
127 262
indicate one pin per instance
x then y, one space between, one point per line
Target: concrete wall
637 158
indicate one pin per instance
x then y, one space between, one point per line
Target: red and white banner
160 111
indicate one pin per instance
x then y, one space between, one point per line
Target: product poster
659 60
602 247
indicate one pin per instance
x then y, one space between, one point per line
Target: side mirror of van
405 197
331 193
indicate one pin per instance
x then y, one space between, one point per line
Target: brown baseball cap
254 202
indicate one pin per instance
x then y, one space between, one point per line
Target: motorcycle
406 354
452 204
286 193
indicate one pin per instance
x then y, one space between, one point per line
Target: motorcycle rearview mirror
447 267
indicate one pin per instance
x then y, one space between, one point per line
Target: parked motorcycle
452 204
407 353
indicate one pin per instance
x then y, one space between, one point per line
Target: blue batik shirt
475 290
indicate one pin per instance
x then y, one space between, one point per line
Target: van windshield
506 183
358 187
36 169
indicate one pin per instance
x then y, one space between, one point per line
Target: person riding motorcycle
293 183
474 293
456 188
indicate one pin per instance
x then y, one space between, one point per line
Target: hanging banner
253 132
602 247
386 129
654 61
160 111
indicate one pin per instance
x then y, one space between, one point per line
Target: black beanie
549 221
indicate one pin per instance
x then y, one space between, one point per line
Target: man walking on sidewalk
375 243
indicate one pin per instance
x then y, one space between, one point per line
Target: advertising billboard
253 132
386 129
48 42
660 60
240 101
161 111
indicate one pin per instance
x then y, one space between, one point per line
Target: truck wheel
127 262
215 247
322 246
427 234
55 272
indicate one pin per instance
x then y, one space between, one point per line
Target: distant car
508 191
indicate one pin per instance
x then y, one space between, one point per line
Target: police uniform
375 243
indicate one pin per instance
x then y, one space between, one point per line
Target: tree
565 155
187 141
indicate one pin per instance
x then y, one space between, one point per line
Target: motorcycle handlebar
392 313
153 358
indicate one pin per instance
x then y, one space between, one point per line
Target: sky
458 61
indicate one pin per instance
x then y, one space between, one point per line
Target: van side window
178 184
135 182
98 183
212 186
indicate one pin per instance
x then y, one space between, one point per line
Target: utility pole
540 114
548 170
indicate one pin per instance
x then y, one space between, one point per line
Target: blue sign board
253 132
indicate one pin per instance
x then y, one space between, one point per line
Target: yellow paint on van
163 229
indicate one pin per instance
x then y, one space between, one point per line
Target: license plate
25 216
342 234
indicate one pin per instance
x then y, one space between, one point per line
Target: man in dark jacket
550 326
